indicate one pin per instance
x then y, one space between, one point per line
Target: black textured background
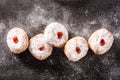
81 18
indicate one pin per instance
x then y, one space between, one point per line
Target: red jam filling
42 48
78 50
102 42
15 39
59 35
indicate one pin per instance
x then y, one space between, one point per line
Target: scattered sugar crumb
92 22
2 27
117 35
86 11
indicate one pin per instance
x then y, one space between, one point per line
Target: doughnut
39 48
56 34
101 41
76 48
17 40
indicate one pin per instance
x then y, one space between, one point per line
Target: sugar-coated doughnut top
76 48
56 34
17 40
39 48
101 41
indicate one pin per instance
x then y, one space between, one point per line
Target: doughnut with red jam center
101 41
76 48
17 40
39 48
56 34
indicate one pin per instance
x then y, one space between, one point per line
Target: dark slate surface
81 18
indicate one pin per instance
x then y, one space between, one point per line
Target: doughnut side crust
23 42
94 41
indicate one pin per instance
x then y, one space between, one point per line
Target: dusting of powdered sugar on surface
2 27
37 16
82 21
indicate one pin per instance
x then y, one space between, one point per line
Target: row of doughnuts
56 35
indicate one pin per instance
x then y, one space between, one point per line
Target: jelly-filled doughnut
39 48
101 41
17 40
56 34
76 48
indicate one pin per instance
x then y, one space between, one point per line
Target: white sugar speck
117 34
92 22
2 27
76 33
86 11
